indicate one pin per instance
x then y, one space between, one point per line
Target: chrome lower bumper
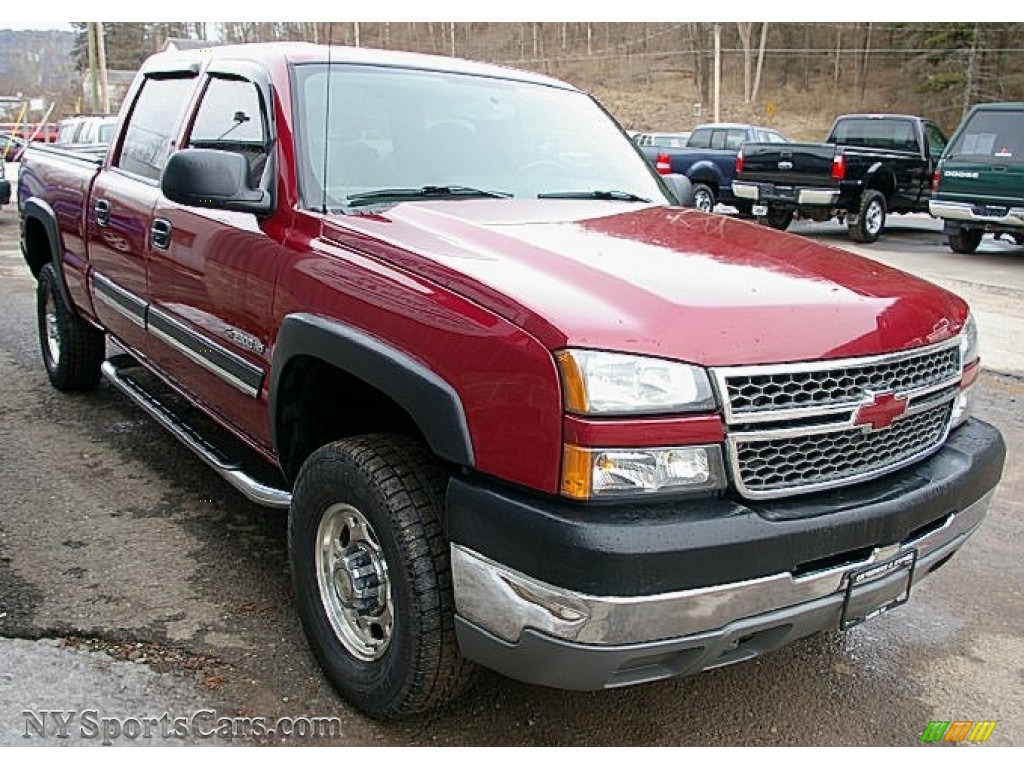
745 191
753 192
943 209
505 603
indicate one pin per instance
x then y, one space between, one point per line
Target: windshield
397 129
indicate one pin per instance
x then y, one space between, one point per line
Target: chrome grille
793 428
755 391
814 460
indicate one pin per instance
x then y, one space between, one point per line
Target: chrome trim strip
720 376
798 490
947 209
122 301
251 488
505 602
157 316
845 426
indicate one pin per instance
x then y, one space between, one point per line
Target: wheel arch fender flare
705 172
880 177
431 402
36 209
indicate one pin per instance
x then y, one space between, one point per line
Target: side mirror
213 178
681 188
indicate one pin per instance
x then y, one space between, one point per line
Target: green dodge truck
978 186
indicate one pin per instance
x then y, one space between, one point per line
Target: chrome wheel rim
52 330
873 217
352 576
702 200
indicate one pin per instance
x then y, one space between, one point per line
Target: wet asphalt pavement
134 582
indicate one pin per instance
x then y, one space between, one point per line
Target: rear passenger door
121 204
212 273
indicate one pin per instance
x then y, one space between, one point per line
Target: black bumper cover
644 548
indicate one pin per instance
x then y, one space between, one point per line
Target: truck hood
660 281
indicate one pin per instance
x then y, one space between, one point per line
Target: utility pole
969 80
718 68
94 86
355 33
101 63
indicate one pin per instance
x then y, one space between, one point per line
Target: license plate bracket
877 589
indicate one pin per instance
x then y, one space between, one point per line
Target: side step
114 370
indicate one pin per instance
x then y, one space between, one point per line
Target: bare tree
760 61
744 28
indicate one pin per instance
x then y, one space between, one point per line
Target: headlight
969 342
964 405
594 473
608 383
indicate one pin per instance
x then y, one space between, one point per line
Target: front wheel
965 240
370 567
703 198
73 350
870 219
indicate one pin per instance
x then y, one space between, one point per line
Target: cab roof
267 54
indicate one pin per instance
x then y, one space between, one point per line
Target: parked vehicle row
869 167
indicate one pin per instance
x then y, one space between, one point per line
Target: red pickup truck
523 409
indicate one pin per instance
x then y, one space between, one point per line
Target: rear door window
991 136
149 135
701 138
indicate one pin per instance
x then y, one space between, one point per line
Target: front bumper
966 212
799 196
746 580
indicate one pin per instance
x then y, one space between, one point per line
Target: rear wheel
870 219
779 218
73 350
371 573
703 198
965 240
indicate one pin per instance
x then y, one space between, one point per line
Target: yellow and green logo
958 730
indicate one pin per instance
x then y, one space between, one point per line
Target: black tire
397 487
779 218
870 217
72 349
965 240
703 198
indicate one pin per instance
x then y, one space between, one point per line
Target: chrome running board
231 471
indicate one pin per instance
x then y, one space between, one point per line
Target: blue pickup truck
709 160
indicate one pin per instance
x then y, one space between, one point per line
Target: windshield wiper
415 193
596 194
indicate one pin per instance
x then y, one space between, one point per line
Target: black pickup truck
869 166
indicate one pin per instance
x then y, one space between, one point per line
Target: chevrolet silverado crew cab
868 167
979 184
523 409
